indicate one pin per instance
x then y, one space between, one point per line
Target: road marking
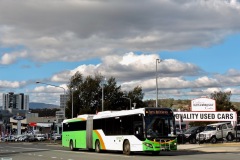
30 148
94 153
79 152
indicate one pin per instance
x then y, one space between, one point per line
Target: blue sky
48 41
216 58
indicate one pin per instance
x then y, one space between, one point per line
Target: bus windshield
157 127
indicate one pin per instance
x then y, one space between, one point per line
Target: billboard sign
205 116
203 104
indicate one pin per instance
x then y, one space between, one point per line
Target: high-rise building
15 101
63 102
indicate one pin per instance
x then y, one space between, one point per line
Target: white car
216 131
40 137
56 136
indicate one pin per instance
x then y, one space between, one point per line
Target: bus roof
105 114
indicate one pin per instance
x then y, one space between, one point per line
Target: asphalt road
46 151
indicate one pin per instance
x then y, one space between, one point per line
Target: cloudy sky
198 42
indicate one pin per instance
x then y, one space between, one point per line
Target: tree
222 100
136 96
74 87
167 102
87 95
112 95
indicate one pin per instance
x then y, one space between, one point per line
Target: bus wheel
126 148
71 146
97 146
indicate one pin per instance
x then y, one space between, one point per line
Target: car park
215 132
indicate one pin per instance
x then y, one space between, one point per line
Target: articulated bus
137 130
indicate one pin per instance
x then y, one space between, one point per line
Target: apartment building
15 101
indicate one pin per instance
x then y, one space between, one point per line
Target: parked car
40 137
237 132
56 136
191 133
2 139
10 138
181 139
23 138
216 131
27 138
18 137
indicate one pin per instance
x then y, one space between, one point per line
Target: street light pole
72 102
57 87
72 89
103 93
157 61
129 100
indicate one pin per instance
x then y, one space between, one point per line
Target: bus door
89 132
138 129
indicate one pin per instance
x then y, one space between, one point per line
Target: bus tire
71 146
126 148
97 146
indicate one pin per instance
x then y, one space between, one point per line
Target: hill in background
36 105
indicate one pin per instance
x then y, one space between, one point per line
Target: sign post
18 118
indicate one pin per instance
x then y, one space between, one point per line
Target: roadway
47 151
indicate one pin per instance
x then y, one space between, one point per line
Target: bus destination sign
158 112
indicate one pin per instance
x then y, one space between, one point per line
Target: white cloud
131 67
50 89
170 84
11 84
77 30
70 30
11 58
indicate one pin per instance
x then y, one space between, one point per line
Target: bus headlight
148 145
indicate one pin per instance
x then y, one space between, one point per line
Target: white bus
143 129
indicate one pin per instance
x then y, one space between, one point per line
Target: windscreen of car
191 130
210 128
